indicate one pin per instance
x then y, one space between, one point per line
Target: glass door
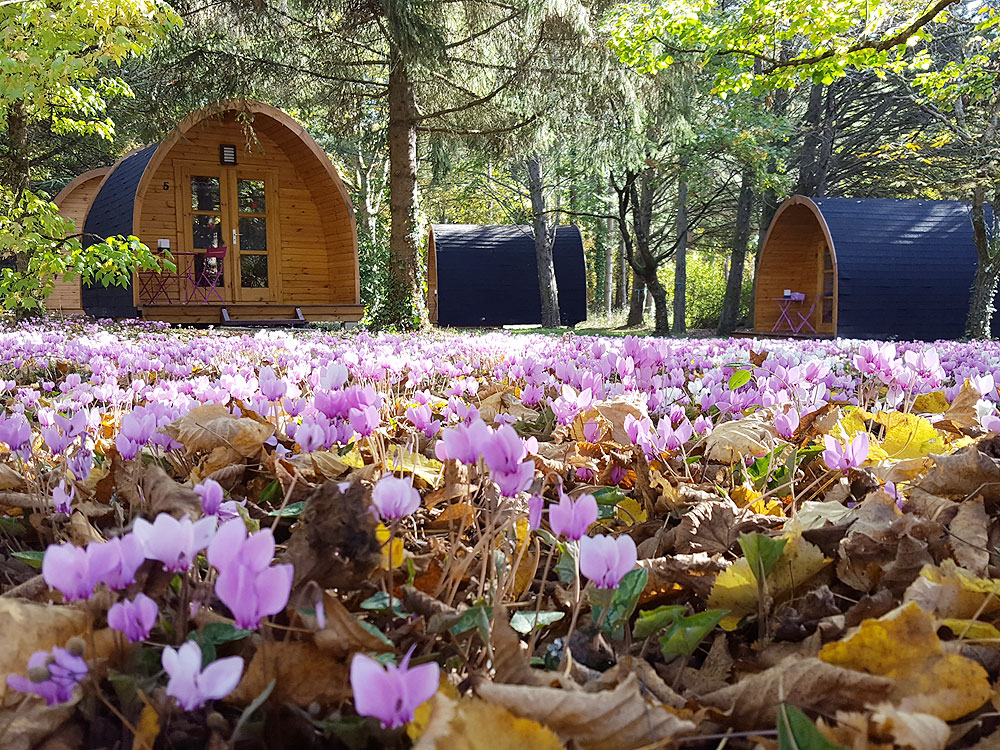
253 262
202 263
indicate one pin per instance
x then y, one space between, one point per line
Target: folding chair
804 317
205 284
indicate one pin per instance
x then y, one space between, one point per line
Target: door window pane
205 194
207 231
253 234
827 259
253 271
251 196
827 310
827 284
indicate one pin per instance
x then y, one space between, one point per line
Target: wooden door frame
183 171
269 175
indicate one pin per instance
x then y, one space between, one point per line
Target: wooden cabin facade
74 201
868 268
255 215
488 275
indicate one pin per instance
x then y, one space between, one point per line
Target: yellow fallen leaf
972 629
909 436
764 507
473 724
398 551
422 713
735 589
147 729
630 511
949 591
744 495
427 469
934 402
904 646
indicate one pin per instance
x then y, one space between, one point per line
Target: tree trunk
984 287
680 255
661 316
404 305
637 302
741 237
810 142
543 245
609 267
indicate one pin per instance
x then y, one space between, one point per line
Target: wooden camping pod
869 267
247 177
488 275
74 201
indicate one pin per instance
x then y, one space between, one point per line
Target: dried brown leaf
809 683
619 719
26 722
163 495
969 536
343 635
211 426
695 573
616 410
304 675
969 471
471 724
334 542
10 479
29 627
737 439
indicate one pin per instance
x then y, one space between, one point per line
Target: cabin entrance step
298 320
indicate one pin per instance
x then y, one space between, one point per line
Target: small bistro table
784 307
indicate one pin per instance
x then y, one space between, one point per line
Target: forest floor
311 539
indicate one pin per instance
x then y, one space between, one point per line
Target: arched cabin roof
77 182
904 266
117 207
487 275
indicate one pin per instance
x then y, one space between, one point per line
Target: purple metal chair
804 317
205 284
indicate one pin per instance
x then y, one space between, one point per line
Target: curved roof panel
487 275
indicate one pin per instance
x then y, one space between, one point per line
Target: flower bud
39 674
76 646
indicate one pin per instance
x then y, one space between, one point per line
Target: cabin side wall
65 297
315 257
790 260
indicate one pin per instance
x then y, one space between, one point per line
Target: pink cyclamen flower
211 495
535 505
63 499
786 423
67 568
605 560
193 686
838 457
15 431
252 595
59 670
174 542
232 546
420 416
391 694
271 387
134 618
464 443
394 498
116 560
364 420
571 518
504 450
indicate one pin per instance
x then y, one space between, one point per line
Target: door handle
234 238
